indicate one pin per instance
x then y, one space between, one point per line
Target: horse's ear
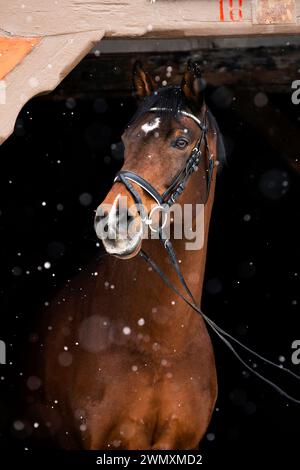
191 84
142 81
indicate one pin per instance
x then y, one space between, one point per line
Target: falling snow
18 425
126 330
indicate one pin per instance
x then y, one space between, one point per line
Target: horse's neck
192 253
192 262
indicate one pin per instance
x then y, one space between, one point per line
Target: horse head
162 144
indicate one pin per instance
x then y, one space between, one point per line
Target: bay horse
125 363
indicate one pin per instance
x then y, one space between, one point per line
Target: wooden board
13 51
147 18
41 71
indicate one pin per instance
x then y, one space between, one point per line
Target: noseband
176 188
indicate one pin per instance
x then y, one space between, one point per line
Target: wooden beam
69 27
49 62
274 11
192 44
131 18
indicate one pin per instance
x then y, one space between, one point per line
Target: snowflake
126 330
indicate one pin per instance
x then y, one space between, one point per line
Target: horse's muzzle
120 231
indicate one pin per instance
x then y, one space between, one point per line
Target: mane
171 98
221 149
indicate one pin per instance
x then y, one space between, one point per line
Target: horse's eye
181 143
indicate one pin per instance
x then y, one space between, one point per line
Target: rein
165 201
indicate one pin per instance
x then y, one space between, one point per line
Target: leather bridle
169 197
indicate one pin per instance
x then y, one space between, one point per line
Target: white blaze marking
111 220
150 126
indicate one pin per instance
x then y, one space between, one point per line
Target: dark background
65 153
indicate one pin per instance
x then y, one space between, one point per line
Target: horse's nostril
117 223
100 223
